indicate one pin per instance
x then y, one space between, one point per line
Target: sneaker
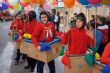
32 70
23 60
15 58
16 62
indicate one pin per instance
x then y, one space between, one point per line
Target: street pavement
8 53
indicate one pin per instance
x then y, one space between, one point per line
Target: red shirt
43 31
77 41
104 30
106 55
1 15
29 27
17 25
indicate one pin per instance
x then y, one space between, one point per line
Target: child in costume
29 28
44 31
16 27
78 38
103 27
105 58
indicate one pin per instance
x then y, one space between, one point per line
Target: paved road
7 54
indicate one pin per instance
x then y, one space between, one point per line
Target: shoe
15 58
27 67
23 60
32 70
16 62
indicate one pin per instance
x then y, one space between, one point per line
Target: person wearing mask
44 31
78 39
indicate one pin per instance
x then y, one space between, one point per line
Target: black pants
40 66
18 55
31 62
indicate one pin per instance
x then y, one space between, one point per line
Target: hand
90 34
20 31
19 39
14 25
68 27
39 48
9 33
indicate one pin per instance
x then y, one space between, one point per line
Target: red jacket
77 41
17 25
29 27
43 31
106 55
104 30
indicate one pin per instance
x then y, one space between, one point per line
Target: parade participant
97 34
24 19
31 23
16 27
106 54
17 23
44 31
78 38
103 27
